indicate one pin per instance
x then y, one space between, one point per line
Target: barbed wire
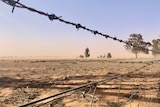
142 88
95 32
76 25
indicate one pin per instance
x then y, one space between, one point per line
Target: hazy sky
24 33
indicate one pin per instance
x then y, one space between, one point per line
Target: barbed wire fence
139 86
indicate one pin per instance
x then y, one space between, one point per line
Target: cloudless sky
25 33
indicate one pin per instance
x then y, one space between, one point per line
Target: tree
156 47
87 54
109 55
135 44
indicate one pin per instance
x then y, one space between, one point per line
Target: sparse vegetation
54 76
109 55
138 45
156 47
81 56
87 54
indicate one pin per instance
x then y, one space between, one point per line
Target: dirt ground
23 81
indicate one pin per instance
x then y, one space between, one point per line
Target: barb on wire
14 5
9 2
53 17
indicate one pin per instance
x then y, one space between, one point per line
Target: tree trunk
136 55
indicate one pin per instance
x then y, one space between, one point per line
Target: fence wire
141 88
96 83
76 25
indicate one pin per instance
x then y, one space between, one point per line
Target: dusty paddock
23 81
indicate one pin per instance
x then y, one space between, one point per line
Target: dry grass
22 81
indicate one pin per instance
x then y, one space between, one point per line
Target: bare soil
23 81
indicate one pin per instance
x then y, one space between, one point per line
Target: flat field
129 82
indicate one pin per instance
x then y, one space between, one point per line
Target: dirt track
22 81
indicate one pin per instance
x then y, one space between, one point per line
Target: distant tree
156 47
81 56
138 45
102 56
87 54
109 55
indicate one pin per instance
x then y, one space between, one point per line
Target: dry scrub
22 81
